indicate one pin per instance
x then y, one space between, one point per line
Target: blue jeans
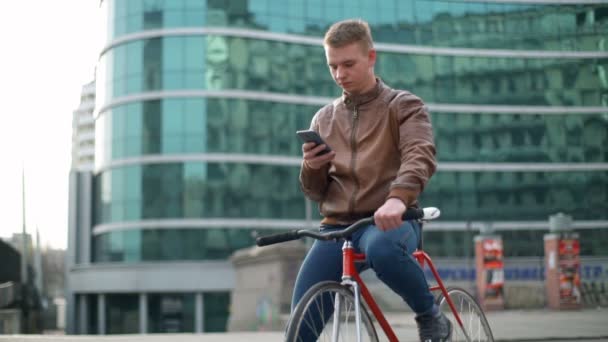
389 254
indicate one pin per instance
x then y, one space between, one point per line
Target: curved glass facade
198 190
222 62
164 244
518 196
531 138
239 190
200 125
491 24
157 91
198 102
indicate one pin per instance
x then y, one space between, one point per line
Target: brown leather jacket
384 148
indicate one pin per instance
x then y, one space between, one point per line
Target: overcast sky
49 50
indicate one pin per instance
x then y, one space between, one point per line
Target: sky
49 51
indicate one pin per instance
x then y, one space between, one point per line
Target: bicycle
343 315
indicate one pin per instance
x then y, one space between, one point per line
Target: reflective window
517 243
216 311
218 243
495 138
92 313
235 126
126 17
201 125
221 62
421 22
517 196
212 125
451 243
170 312
172 244
122 313
198 190
593 241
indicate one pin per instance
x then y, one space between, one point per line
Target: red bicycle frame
349 257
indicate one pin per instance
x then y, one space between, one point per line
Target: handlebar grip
413 214
276 238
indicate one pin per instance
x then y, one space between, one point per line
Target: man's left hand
389 215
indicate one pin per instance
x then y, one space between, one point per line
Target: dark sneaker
434 328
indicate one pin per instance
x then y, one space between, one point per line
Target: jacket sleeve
314 182
416 147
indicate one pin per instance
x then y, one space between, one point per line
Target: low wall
261 299
10 321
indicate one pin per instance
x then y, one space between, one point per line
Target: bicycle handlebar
410 214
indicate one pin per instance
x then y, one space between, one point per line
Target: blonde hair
349 31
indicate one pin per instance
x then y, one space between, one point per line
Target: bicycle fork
347 279
350 277
337 311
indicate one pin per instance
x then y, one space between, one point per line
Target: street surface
509 325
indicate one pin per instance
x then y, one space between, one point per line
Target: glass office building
197 103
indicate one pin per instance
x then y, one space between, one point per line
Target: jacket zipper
353 142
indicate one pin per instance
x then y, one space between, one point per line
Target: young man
382 156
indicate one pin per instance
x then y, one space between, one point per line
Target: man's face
351 67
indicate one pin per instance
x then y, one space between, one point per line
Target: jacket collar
351 100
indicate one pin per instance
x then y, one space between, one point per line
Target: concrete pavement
528 325
508 325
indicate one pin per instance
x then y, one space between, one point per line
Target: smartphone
312 136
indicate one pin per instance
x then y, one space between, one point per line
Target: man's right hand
310 151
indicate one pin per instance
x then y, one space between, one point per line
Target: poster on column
494 268
569 269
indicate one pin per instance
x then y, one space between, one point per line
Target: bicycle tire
472 316
319 297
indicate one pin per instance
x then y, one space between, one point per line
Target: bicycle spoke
346 318
473 320
310 324
333 307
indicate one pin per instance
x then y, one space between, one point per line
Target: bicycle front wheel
326 312
475 326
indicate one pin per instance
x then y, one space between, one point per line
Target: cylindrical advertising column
489 267
562 264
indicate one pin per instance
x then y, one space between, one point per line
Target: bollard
489 267
562 264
